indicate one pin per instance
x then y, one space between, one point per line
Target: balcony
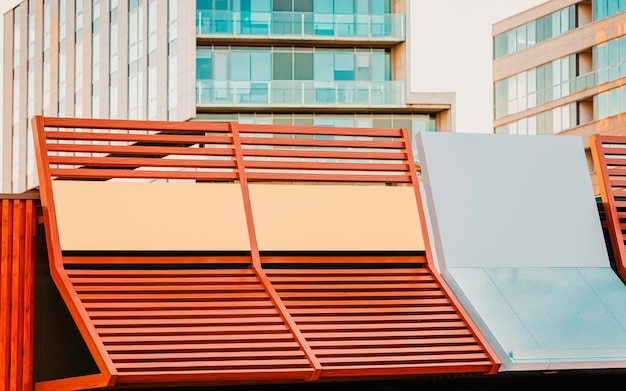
307 93
380 28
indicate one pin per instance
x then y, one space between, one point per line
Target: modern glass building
560 68
300 62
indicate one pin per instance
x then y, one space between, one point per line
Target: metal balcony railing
301 93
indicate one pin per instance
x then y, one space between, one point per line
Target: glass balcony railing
300 24
306 93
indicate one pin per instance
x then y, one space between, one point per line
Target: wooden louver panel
202 318
184 325
609 157
368 320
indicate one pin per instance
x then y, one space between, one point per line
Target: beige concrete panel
105 58
154 216
7 106
186 61
53 109
20 151
162 60
122 56
335 218
70 58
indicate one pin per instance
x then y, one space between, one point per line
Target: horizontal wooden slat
139 150
150 340
219 356
160 138
227 364
173 272
207 347
321 154
86 173
319 130
346 288
262 176
335 143
402 358
100 123
279 165
121 162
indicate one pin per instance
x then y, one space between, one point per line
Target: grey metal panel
510 201
541 318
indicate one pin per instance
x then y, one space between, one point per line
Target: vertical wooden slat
16 298
16 293
5 292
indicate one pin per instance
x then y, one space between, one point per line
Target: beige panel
335 218
150 216
7 101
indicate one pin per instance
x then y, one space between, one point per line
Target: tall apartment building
301 62
560 68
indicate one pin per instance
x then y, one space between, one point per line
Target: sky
451 52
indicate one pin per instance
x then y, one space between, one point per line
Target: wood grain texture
17 263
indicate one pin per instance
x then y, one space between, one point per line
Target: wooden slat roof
199 318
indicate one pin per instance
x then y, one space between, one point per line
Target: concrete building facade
311 62
560 68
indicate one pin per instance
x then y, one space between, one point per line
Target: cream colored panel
150 216
335 217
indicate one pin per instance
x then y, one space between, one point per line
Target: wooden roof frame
162 138
606 152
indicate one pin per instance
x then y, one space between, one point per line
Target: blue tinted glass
323 6
261 66
204 68
220 66
344 66
239 66
344 7
600 9
323 66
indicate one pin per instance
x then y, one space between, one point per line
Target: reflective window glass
303 66
281 66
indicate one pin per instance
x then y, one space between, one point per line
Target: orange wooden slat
205 347
322 154
100 123
127 150
335 143
325 166
266 176
319 130
17 227
180 138
87 173
120 162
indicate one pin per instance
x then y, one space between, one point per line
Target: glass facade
549 122
528 89
609 103
537 31
605 8
280 18
295 76
610 60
